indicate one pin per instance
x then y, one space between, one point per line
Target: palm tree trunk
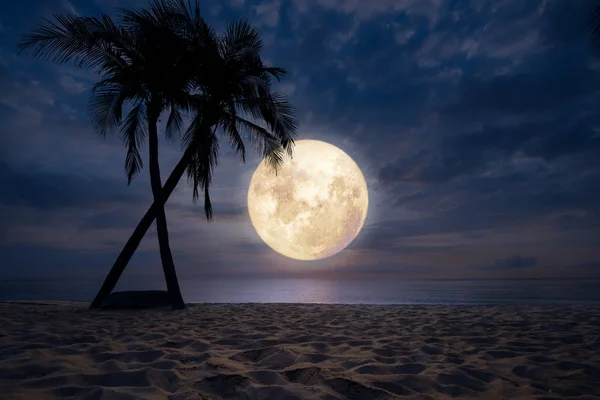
138 234
161 218
140 230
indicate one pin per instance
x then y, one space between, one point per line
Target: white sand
278 351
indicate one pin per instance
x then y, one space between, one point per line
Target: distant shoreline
67 303
341 278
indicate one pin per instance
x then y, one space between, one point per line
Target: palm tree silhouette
167 58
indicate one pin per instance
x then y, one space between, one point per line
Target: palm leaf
174 122
270 147
133 134
275 111
105 108
204 144
88 42
232 132
240 38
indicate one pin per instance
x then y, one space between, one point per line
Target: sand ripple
278 351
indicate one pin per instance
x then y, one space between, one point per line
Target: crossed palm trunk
156 210
161 218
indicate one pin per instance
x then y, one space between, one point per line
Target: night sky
474 122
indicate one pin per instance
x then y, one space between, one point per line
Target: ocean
407 291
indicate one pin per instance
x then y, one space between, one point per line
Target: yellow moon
314 206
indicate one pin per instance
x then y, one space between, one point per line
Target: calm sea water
576 292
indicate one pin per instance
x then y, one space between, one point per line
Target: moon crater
314 206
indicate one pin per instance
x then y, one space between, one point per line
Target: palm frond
106 107
85 41
281 117
174 122
171 16
236 94
240 38
230 128
275 111
204 144
275 72
270 147
133 134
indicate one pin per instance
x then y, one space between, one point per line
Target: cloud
71 85
510 263
267 12
49 191
465 153
50 263
537 90
69 7
112 218
365 10
19 93
424 167
593 265
222 211
475 123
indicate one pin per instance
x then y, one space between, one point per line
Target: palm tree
137 72
235 99
228 92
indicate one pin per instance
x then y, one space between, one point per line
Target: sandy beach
299 351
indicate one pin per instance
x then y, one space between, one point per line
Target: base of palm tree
138 299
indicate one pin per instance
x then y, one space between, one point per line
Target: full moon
314 206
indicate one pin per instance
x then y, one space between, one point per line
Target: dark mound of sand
137 299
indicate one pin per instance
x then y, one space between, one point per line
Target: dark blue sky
475 123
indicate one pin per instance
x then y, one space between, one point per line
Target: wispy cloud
510 263
475 126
